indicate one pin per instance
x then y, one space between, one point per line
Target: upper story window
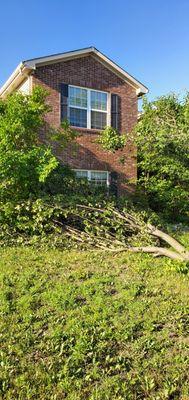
88 108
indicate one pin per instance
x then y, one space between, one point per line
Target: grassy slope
91 326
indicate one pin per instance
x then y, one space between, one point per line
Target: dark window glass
78 117
98 120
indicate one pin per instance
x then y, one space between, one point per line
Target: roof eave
142 91
19 74
37 62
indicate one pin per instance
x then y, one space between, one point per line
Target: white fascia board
58 57
16 78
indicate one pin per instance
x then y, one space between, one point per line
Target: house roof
25 68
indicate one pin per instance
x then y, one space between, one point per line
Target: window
87 108
81 174
98 178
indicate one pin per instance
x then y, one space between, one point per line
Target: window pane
98 175
78 117
98 120
98 101
77 97
99 178
81 174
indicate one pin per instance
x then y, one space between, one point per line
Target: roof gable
26 67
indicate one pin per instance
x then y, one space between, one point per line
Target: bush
62 180
162 137
25 163
111 140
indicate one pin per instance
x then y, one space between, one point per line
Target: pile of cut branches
116 231
62 222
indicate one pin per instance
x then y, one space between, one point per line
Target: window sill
86 130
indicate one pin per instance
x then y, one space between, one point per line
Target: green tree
162 136
111 140
25 163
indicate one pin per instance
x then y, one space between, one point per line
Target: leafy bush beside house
162 137
25 163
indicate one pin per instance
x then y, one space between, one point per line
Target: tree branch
158 251
168 239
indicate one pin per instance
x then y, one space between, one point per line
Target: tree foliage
62 221
25 163
111 140
162 137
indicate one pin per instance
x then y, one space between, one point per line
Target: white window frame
88 108
89 171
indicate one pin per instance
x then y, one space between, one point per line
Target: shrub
111 140
25 164
162 137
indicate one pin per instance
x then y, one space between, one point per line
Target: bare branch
158 251
168 239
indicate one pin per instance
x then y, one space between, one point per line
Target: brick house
92 92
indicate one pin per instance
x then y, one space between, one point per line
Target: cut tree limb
168 239
110 242
158 251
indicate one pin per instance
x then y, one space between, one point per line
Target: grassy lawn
92 326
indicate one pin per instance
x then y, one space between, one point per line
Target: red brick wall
88 72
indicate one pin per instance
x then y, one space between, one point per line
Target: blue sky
149 38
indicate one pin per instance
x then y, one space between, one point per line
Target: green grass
92 326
